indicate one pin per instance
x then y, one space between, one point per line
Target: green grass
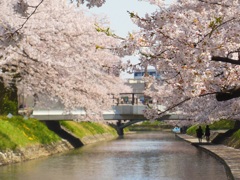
222 124
150 123
149 126
217 125
81 129
236 135
17 132
192 130
234 140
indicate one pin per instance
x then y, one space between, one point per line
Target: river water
140 156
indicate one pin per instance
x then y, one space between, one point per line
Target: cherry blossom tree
183 41
195 47
194 44
54 49
90 3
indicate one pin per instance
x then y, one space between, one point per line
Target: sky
116 11
120 22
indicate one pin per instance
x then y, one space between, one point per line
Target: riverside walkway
229 156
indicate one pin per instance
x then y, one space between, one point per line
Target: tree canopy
193 44
58 52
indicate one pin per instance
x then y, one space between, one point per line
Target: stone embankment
33 152
97 138
69 141
38 151
229 156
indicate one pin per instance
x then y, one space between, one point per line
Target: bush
192 130
8 99
9 106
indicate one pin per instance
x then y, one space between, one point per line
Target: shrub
8 106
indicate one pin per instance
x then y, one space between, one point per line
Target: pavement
229 156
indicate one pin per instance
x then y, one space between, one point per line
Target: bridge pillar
119 129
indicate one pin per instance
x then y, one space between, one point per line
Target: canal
140 156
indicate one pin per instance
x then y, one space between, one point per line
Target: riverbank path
227 155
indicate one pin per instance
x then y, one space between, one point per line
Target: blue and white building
151 72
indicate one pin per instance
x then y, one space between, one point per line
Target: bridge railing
132 98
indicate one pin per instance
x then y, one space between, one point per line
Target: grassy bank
150 126
83 129
16 132
232 140
26 139
217 125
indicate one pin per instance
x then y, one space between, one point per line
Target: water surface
140 156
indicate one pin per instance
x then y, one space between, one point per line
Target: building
138 85
151 72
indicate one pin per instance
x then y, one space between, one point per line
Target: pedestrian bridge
130 106
128 110
123 114
119 112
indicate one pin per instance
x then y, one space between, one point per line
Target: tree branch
214 3
228 94
36 7
183 101
175 105
225 59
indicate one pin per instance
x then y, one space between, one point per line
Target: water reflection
141 156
